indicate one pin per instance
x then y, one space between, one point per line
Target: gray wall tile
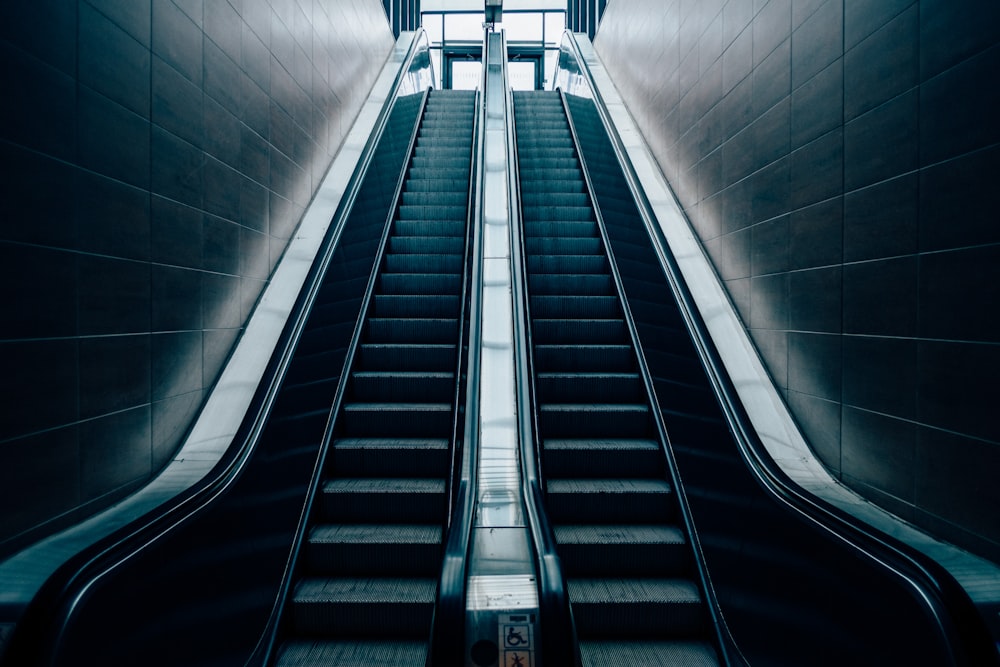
852 222
144 217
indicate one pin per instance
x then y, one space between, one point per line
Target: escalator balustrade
630 575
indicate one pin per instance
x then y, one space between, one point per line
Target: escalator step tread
353 653
633 534
390 443
397 407
398 607
608 487
390 486
365 590
379 533
588 408
622 653
615 444
620 590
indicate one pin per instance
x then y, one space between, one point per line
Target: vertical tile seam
843 282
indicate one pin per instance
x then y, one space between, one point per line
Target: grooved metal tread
629 534
397 407
352 653
403 374
387 486
365 590
376 533
624 653
612 591
583 408
390 443
613 444
608 486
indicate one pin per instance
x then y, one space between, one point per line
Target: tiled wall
838 159
157 155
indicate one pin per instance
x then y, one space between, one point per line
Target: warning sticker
517 658
517 639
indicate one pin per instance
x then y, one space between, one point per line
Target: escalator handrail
558 631
448 627
728 652
961 625
37 633
271 635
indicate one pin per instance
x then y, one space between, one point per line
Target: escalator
653 479
631 576
368 569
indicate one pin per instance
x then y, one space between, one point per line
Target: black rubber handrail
961 626
448 628
558 631
37 635
271 635
726 646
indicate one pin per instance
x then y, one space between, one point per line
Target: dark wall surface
157 156
837 159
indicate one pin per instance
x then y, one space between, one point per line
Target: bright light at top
477 5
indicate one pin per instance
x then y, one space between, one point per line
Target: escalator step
390 457
417 305
567 264
559 228
623 550
598 420
352 653
619 653
430 227
553 212
583 387
374 549
607 457
579 331
625 607
383 500
548 164
550 184
546 245
439 198
364 607
406 387
407 357
432 212
397 419
554 198
423 263
411 329
619 500
569 284
444 245
577 358
575 307
434 184
420 283
541 177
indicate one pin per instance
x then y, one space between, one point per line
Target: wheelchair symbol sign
516 636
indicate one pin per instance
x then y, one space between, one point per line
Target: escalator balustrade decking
372 558
627 560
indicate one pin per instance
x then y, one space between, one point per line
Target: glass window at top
455 31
